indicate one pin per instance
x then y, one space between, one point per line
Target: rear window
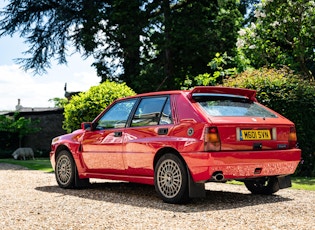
230 105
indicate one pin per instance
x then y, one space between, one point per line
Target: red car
179 140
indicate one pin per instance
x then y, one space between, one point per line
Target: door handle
162 131
118 134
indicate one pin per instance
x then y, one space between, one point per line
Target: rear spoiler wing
249 93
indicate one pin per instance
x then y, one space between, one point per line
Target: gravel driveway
32 200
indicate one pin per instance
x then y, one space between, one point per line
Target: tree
218 67
18 125
283 34
189 37
59 102
150 45
50 27
247 9
117 51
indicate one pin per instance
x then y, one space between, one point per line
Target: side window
150 111
166 117
116 116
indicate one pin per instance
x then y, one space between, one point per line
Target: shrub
87 105
292 97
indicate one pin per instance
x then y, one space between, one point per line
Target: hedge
87 105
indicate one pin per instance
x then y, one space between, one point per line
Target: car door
147 132
102 147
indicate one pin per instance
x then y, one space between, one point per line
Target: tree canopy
158 44
283 34
18 125
150 45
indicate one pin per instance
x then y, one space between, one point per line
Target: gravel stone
31 199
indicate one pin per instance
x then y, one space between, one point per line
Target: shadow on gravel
145 196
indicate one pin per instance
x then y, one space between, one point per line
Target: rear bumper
242 165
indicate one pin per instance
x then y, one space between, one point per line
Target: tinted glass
230 105
166 117
149 112
116 116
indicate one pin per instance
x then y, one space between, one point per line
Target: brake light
292 138
212 139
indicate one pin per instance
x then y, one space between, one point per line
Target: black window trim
97 119
136 105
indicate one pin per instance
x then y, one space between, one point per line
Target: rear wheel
265 186
171 180
65 170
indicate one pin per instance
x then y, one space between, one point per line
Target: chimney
18 107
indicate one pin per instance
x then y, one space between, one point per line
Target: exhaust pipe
218 176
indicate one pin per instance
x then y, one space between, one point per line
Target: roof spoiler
251 94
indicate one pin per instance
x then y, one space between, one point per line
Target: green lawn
43 164
302 183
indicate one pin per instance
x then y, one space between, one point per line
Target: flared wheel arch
78 183
170 155
164 151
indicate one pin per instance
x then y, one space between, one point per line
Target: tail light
212 139
292 138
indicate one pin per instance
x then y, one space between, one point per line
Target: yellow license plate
263 134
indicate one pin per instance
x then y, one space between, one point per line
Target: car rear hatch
253 133
241 122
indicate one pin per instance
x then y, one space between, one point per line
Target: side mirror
86 126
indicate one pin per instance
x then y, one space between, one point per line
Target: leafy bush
87 105
292 97
219 69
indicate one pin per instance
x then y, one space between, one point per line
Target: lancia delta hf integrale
180 140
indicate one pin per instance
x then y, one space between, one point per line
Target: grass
301 183
43 164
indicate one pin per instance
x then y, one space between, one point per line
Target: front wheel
65 170
171 180
264 186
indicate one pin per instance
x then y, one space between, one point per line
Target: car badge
254 119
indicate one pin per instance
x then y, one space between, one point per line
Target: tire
65 170
171 179
264 186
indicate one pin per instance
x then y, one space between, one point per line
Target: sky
36 90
